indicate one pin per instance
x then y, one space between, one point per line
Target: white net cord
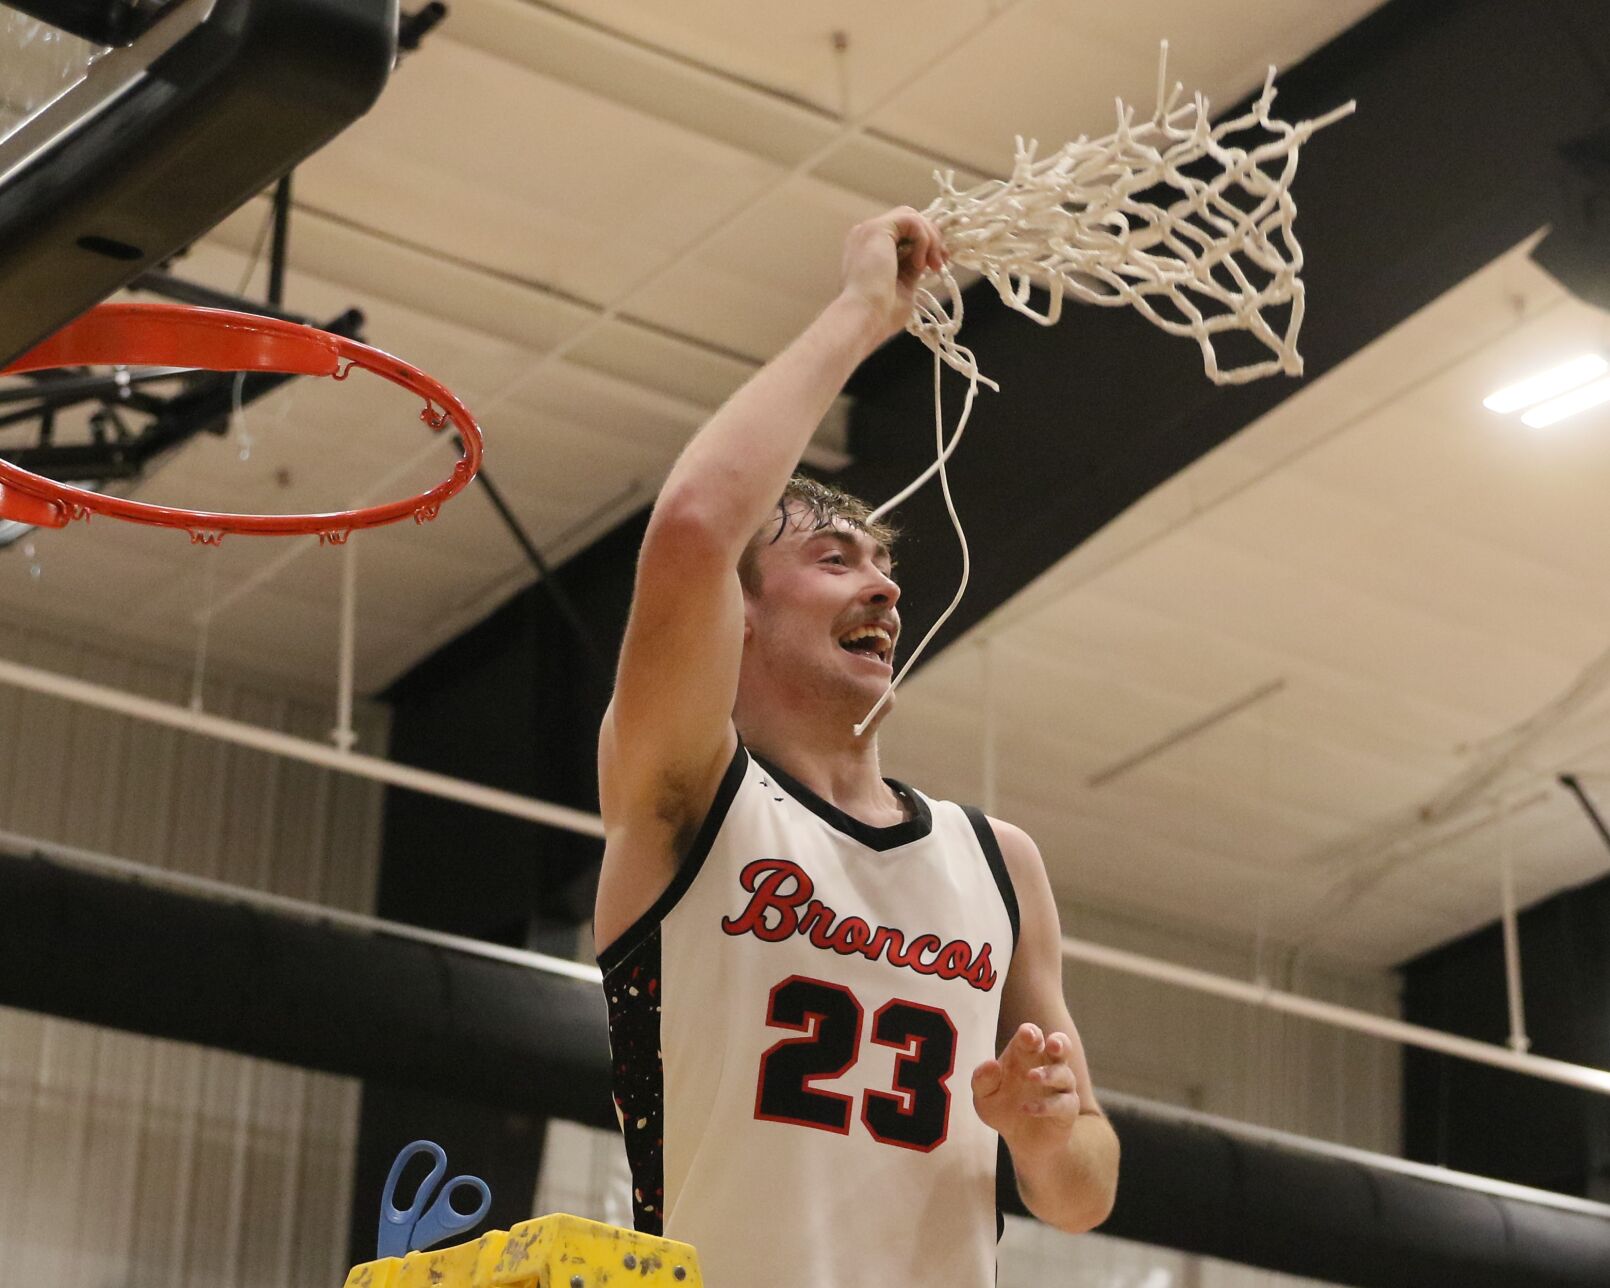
1171 216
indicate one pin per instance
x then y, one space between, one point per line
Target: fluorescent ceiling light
1547 384
1568 404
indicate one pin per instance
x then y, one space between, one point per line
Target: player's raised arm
668 733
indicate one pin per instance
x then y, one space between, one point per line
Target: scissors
405 1230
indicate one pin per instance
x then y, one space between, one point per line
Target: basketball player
804 960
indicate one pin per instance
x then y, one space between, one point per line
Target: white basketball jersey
794 1025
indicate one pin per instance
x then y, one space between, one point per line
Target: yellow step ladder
557 1251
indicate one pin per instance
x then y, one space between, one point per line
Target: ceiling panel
1034 72
775 268
1351 540
566 188
792 50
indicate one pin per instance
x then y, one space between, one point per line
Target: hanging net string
1172 216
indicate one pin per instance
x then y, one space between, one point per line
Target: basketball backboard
128 128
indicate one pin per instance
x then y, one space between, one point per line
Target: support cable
278 249
344 735
1573 784
1518 1041
592 652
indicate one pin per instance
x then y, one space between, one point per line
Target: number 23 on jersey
913 1114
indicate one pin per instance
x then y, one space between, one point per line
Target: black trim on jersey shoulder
692 861
875 838
997 862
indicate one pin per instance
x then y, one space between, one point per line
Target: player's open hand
883 260
1029 1094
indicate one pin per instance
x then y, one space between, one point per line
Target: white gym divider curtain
134 1161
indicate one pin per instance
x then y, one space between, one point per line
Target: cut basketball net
1126 220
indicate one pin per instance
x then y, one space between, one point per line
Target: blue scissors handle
442 1219
404 1230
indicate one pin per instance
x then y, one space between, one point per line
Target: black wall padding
1205 1186
440 1022
512 703
153 961
1548 1134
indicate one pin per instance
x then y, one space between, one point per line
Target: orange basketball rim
176 335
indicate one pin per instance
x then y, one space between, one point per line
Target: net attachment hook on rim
179 335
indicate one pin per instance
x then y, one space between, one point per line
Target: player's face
823 624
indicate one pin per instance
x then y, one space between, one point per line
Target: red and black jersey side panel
632 989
